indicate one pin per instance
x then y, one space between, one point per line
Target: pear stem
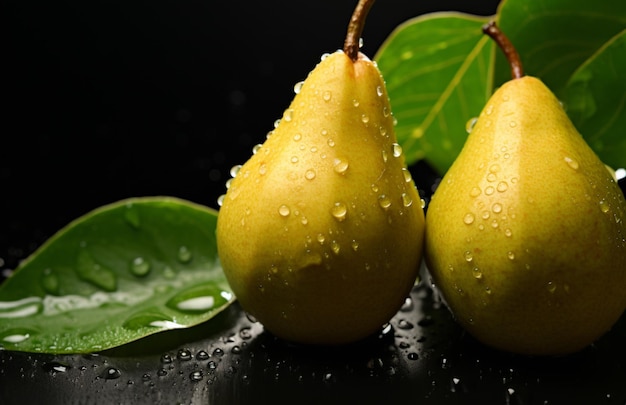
507 47
352 44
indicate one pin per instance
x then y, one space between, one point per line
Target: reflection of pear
320 232
525 236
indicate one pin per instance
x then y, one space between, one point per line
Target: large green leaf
440 70
596 87
119 273
436 68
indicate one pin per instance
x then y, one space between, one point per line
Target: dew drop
284 211
235 170
510 255
327 95
485 214
379 91
491 177
256 148
297 87
422 203
384 201
335 247
397 150
340 166
502 186
497 208
355 102
355 245
288 115
111 373
407 175
310 174
331 143
468 218
494 223
196 376
407 201
294 159
477 273
140 267
262 169
604 206
495 168
468 256
339 211
469 125
475 192
507 232
385 157
321 238
489 190
551 287
297 137
184 254
512 124
365 118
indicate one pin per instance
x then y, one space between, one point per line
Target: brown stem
507 47
355 29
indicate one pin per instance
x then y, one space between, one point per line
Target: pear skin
526 235
320 232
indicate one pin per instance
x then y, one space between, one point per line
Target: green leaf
115 275
440 71
437 70
595 98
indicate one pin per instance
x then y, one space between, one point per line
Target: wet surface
422 356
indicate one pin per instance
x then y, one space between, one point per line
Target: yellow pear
320 232
526 235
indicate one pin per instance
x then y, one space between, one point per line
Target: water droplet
494 223
379 91
502 186
288 115
355 102
384 201
468 218
355 245
327 95
321 238
485 214
184 354
297 87
339 211
508 232
491 177
477 273
407 175
294 159
335 247
331 143
475 192
235 170
297 137
196 376
310 174
202 355
284 211
407 201
262 169
111 373
184 255
365 118
340 166
512 124
496 208
256 148
422 203
397 150
510 255
489 190
495 168
93 272
469 125
551 287
139 267
468 256
384 155
50 282
604 206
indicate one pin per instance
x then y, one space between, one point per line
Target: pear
525 235
320 232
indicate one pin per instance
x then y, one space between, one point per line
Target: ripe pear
320 232
526 235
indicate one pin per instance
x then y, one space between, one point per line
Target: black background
105 100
